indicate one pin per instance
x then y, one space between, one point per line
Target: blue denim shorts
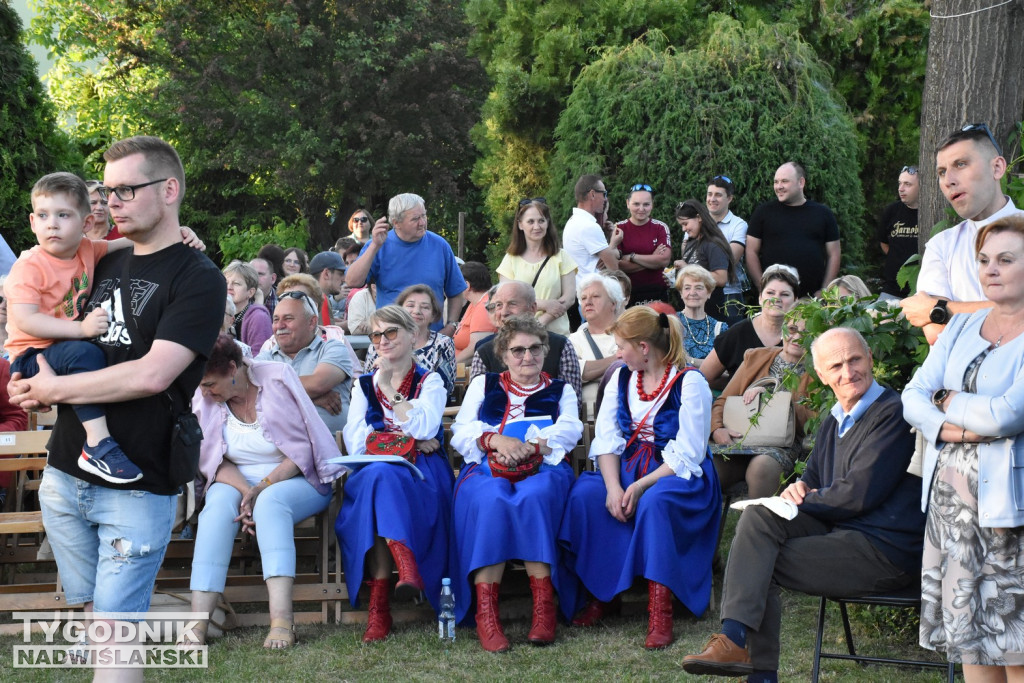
108 543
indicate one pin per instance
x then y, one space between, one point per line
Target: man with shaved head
794 231
518 298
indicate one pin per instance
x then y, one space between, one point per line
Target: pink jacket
289 420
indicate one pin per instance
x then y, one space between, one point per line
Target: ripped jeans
108 543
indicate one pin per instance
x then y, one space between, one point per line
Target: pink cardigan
289 421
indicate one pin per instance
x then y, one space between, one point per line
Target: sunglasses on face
524 202
518 352
641 187
912 170
390 334
361 219
971 127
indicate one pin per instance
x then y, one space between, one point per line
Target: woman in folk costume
514 430
389 516
652 508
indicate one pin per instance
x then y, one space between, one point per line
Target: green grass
613 651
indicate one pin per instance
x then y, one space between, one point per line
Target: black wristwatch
940 313
939 397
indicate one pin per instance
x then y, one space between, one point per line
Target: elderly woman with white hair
411 256
601 302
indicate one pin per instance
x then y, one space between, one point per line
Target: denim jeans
278 508
108 543
66 358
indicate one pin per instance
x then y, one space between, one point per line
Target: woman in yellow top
535 256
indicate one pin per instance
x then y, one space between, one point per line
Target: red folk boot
488 623
410 585
596 610
659 626
542 629
378 623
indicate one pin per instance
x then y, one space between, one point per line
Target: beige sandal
280 631
194 638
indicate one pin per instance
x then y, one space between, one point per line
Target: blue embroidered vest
543 402
375 411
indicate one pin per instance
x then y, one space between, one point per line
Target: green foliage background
32 144
671 118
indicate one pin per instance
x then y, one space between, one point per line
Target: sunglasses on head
390 334
306 300
641 187
723 177
972 127
912 170
528 200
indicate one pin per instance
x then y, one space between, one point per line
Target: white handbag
772 412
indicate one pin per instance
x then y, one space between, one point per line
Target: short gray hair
401 203
828 334
529 295
611 287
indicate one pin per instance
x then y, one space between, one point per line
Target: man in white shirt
718 199
583 237
969 164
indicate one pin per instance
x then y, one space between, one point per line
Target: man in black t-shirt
897 233
796 232
109 540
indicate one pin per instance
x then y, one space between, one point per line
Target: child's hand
95 323
189 237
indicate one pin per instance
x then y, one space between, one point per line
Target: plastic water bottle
446 614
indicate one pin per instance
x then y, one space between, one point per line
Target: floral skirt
972 581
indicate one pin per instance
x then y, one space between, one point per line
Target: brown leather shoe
721 657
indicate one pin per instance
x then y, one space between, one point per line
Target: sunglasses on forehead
641 187
982 127
306 300
912 170
529 200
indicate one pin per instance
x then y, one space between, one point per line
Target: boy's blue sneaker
109 462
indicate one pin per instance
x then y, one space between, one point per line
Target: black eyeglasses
125 193
306 299
723 177
912 170
361 219
528 200
640 187
971 127
390 334
536 351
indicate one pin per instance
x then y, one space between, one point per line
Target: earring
232 381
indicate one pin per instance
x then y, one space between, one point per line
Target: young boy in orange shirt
46 291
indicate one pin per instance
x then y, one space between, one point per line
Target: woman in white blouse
389 517
495 518
652 509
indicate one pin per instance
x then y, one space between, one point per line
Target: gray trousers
769 552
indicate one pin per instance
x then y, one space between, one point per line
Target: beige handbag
776 423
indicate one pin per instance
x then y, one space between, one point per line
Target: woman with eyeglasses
432 350
761 466
695 285
389 517
252 320
535 256
360 224
514 430
262 465
295 261
646 247
652 509
704 245
779 285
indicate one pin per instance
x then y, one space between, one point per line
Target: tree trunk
975 74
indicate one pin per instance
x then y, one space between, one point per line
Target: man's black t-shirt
897 228
178 296
795 236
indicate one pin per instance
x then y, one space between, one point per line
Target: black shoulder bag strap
593 345
539 270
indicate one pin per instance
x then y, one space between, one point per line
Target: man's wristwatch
939 397
940 312
632 257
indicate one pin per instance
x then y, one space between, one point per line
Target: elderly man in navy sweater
857 529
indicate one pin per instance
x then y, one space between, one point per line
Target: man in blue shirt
411 256
854 523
